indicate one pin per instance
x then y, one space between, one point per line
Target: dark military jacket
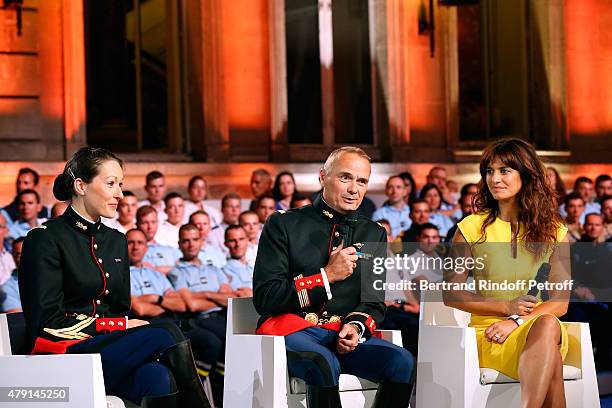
296 244
74 281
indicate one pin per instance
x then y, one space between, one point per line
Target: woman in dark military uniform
75 286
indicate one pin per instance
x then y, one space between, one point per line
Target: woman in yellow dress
514 230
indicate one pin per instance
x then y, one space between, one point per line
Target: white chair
256 367
448 374
80 373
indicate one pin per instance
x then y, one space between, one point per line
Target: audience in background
6 259
300 201
27 179
197 189
238 269
574 206
28 207
210 254
59 208
431 193
10 301
159 257
231 208
555 182
155 186
283 190
411 187
250 222
167 232
126 213
419 215
395 210
265 207
583 186
603 187
606 210
261 183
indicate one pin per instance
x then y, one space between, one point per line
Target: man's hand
244 292
342 261
348 338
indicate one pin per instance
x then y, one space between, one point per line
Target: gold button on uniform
100 260
107 275
95 246
98 301
106 292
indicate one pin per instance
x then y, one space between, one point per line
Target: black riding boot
160 401
322 397
179 359
392 394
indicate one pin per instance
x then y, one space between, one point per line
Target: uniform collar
79 223
331 215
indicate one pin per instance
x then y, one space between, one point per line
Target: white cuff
361 326
326 283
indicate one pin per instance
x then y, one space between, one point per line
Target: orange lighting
246 63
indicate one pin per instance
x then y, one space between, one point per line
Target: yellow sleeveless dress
499 266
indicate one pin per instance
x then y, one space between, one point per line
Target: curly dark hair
538 214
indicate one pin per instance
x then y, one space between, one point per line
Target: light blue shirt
162 255
212 255
197 278
240 274
588 208
146 281
399 220
7 217
9 294
443 222
21 228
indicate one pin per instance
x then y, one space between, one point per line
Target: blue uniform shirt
161 255
399 220
21 228
212 255
9 294
146 281
240 274
441 221
197 278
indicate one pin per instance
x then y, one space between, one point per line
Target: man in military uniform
313 284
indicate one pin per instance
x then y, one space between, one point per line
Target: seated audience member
154 299
583 186
592 287
299 201
429 266
10 301
209 254
29 207
402 307
396 211
250 222
411 187
162 258
204 288
603 187
593 229
237 269
574 208
469 188
438 177
466 201
59 208
283 190
27 179
419 215
230 209
167 233
265 207
198 193
155 186
554 181
261 183
126 213
431 193
606 210
6 260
